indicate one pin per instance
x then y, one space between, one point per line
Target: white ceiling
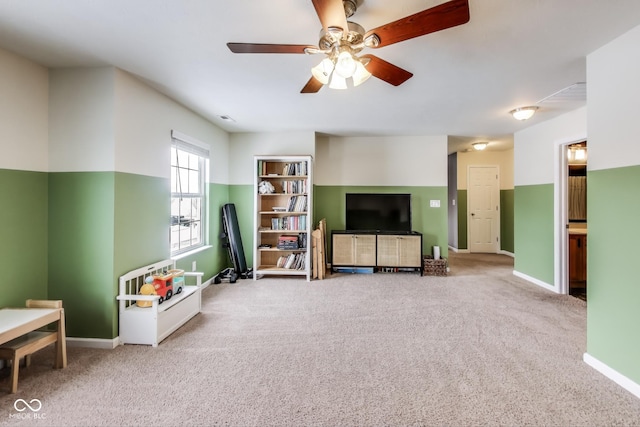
511 53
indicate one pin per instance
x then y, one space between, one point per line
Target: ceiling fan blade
312 86
331 14
386 71
267 48
441 17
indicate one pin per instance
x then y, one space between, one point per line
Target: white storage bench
150 325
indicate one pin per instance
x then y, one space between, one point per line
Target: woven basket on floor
434 267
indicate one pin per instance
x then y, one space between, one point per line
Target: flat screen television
378 212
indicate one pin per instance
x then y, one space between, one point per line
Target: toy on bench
154 301
166 284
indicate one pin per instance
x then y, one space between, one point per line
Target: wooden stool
29 343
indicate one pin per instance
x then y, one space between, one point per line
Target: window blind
191 145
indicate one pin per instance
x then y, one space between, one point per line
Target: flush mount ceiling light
479 146
523 113
577 152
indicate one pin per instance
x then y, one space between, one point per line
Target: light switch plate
434 203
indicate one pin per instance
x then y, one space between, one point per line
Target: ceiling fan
341 41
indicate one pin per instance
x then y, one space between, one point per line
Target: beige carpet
479 347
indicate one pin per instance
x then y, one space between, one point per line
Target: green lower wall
81 250
506 220
242 197
613 312
23 236
213 259
329 203
463 230
73 234
533 231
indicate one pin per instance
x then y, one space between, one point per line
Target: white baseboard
615 376
535 281
107 344
206 283
458 251
466 251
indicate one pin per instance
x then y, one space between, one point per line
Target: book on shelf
296 169
289 169
292 262
288 242
298 222
297 204
294 187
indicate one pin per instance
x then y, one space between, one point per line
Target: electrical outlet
434 203
193 266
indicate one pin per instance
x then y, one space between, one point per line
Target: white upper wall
503 159
24 110
104 119
243 146
535 148
382 161
144 121
81 119
614 103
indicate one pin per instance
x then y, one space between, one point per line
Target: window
188 195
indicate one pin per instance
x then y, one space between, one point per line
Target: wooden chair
31 342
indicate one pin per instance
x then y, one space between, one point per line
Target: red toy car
164 286
168 284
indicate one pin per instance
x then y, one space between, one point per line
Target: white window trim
186 143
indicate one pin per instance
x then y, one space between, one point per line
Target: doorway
570 218
577 219
483 199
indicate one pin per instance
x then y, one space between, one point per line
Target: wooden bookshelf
283 192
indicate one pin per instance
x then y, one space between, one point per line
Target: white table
15 322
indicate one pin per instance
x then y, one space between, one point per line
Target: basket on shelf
434 267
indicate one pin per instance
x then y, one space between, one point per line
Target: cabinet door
577 258
409 251
354 249
387 251
399 251
365 249
343 251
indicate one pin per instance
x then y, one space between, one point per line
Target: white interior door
483 197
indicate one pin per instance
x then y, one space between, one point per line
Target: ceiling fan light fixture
344 38
337 82
361 74
345 64
350 7
523 113
372 41
479 146
322 71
